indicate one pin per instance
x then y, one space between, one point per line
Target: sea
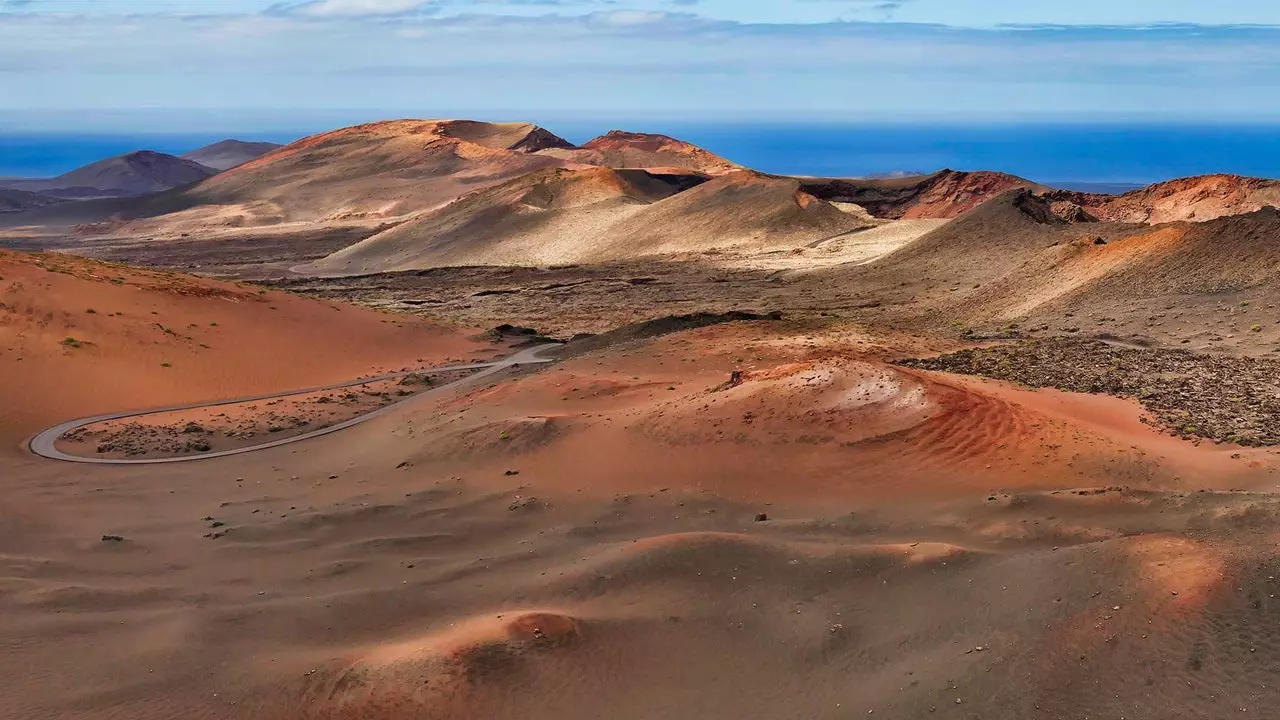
1090 156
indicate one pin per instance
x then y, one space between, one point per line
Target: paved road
43 444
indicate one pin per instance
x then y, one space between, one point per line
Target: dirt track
44 444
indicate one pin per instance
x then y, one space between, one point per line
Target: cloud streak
400 58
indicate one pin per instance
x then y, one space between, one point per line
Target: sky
98 63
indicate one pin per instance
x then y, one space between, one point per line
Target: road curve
43 444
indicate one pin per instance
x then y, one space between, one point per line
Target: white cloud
611 63
353 8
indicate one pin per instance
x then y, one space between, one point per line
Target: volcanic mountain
621 149
227 154
599 214
377 170
136 173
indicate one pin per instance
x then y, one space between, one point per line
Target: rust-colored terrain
954 446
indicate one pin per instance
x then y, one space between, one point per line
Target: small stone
762 517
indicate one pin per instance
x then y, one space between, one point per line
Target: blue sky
94 62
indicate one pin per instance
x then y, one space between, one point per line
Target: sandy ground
78 338
860 246
635 532
763 519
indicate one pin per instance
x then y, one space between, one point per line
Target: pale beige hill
743 211
601 215
621 149
519 136
379 170
542 217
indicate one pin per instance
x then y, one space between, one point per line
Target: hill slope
621 149
136 173
1206 197
375 170
943 195
227 154
78 337
12 201
599 214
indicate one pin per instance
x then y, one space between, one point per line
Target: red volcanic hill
1206 197
621 149
943 195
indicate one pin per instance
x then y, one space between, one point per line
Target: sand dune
599 215
681 545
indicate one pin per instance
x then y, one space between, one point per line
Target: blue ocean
1053 154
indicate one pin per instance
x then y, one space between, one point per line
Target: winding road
43 444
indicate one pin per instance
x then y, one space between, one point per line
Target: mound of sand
79 337
598 215
621 149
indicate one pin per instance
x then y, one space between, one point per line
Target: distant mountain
229 153
136 173
1100 188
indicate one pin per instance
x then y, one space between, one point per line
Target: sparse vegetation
71 342
1190 395
166 364
91 311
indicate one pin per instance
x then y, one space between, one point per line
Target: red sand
78 337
